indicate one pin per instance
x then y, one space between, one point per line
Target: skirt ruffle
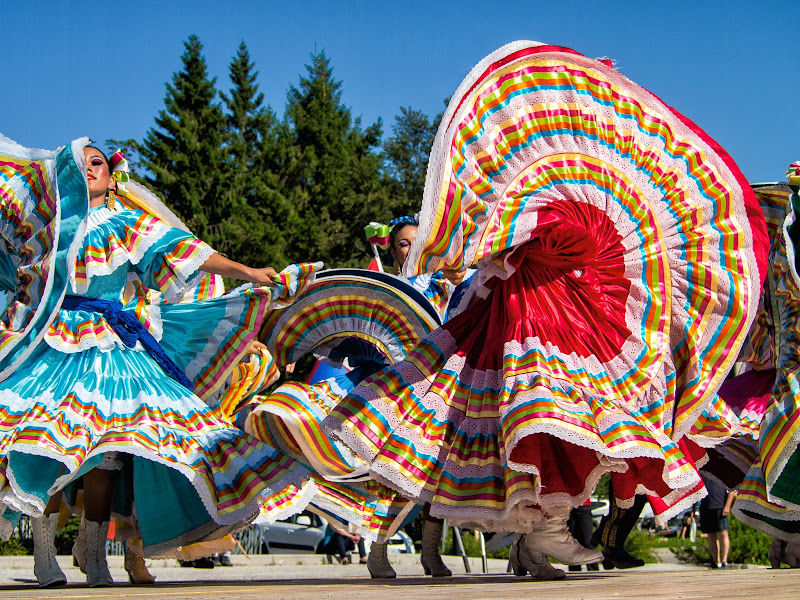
290 419
194 476
484 417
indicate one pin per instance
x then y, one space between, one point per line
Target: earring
398 269
111 199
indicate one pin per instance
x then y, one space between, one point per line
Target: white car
303 532
400 543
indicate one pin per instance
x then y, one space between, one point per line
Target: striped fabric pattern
780 430
343 304
620 254
37 242
381 309
533 124
768 498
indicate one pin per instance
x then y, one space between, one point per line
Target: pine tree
333 172
407 152
253 186
184 153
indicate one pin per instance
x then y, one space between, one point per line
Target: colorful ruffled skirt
193 475
619 256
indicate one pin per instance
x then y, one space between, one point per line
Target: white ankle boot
97 574
522 562
430 558
378 562
552 537
45 566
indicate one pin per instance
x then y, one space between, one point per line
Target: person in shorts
714 511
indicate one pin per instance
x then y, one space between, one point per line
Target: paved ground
286 579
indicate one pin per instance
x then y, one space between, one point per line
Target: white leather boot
430 558
45 566
79 547
552 537
523 561
378 562
97 574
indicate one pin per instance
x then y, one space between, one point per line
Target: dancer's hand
216 263
453 276
262 276
255 347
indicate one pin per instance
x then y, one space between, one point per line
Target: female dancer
109 393
768 497
373 319
619 255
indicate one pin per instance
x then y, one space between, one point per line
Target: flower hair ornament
402 221
120 171
793 174
379 235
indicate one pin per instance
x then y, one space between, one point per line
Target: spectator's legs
362 551
713 547
724 546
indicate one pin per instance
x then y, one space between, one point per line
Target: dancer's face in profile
98 174
401 243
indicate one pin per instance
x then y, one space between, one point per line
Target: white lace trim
184 271
32 505
111 340
99 216
759 524
95 269
299 503
326 335
107 343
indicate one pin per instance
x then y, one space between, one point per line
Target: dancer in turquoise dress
120 395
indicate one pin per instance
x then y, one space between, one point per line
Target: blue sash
129 330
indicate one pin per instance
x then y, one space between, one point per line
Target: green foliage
333 172
269 190
748 546
603 489
15 547
184 153
640 544
407 152
253 231
65 537
472 545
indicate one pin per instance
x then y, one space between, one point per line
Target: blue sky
73 68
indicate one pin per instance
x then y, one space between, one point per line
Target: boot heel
430 558
378 562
